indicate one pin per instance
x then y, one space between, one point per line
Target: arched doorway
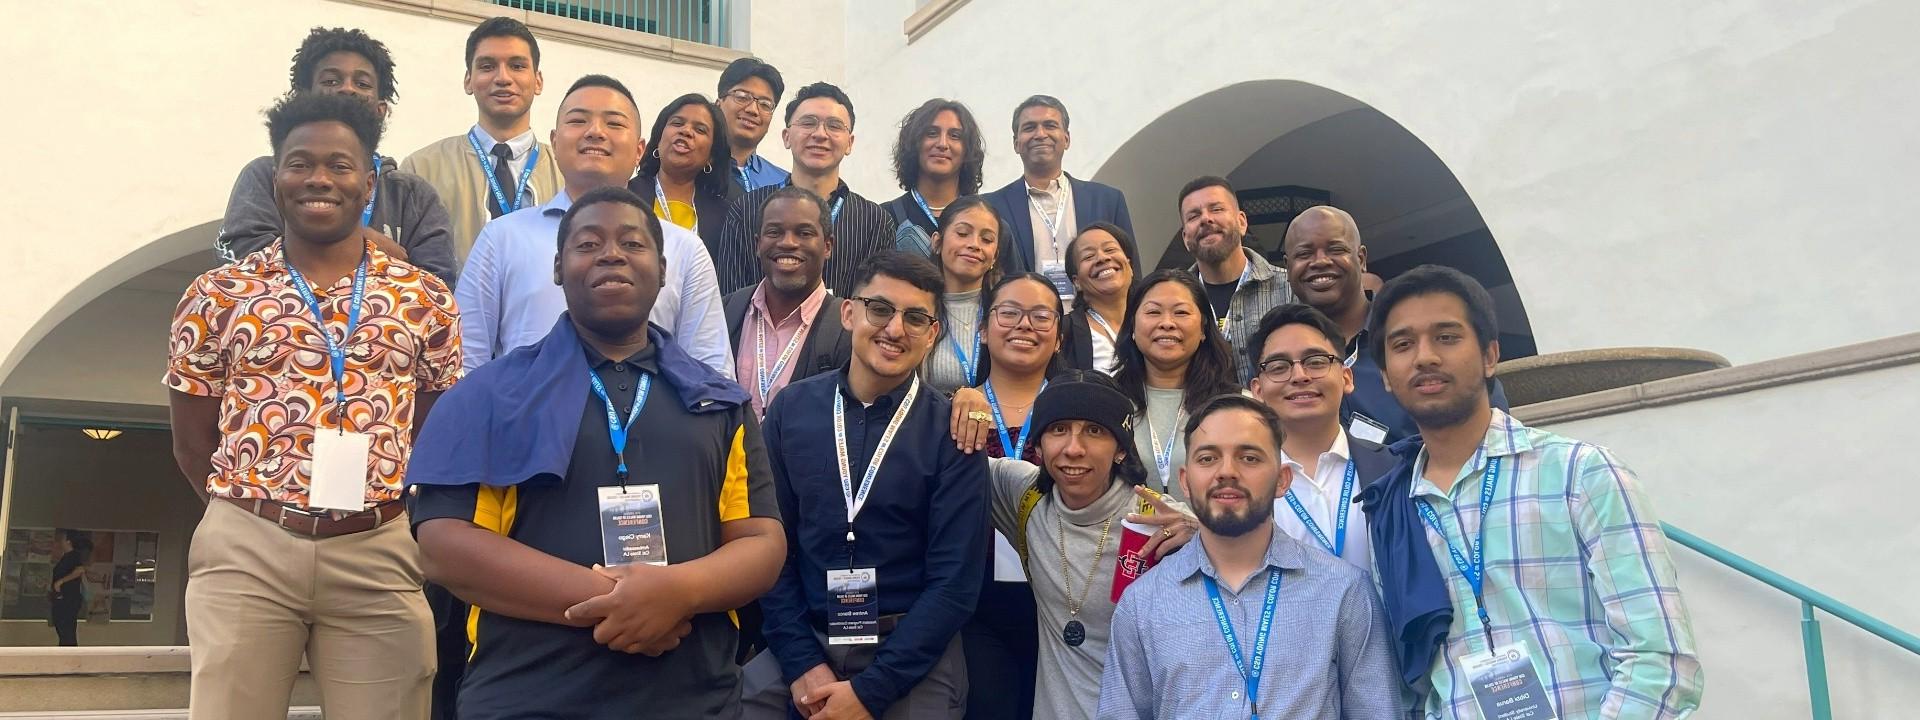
1287 145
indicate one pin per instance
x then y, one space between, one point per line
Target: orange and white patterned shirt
243 334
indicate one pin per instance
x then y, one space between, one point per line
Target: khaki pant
259 597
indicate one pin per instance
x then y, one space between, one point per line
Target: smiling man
509 299
1046 208
498 165
887 538
820 134
749 91
602 500
403 215
1241 285
786 328
1543 551
1191 638
297 378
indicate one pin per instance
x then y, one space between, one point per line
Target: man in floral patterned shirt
298 378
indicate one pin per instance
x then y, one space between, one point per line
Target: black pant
450 648
1002 653
66 619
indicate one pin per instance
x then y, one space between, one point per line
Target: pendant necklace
1075 633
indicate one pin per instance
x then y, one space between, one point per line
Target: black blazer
710 210
1092 202
1078 350
827 347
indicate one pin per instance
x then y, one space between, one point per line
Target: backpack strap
1028 500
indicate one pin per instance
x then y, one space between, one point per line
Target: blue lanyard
766 376
925 209
1007 448
366 216
1339 542
746 183
1250 674
336 352
666 213
1471 570
967 365
1163 454
857 499
615 429
507 204
834 216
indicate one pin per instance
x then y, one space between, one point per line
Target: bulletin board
121 575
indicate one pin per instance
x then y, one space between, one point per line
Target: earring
656 153
707 169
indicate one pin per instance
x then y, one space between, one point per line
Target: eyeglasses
743 97
880 314
1008 316
1314 366
810 123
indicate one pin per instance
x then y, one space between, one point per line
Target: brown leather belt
320 523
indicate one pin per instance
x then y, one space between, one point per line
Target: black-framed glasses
1314 366
1008 316
880 313
743 97
834 126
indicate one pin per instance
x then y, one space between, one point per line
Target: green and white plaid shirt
1577 569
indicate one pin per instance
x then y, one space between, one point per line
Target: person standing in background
749 91
68 593
1045 208
937 160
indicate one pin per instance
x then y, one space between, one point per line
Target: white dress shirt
1319 493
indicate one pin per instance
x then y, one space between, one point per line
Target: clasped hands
645 612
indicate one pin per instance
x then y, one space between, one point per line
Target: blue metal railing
1810 598
701 21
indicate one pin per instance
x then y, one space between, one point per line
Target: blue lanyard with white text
336 352
366 216
660 196
925 209
967 365
746 183
858 499
507 204
1473 569
1339 542
1248 673
766 376
1007 448
616 430
1163 454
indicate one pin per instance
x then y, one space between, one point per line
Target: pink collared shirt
778 334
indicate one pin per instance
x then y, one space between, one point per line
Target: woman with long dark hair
1100 266
1172 359
685 176
67 592
967 248
937 159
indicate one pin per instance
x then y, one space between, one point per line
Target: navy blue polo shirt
711 468
924 527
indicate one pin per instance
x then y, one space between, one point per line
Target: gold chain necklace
1075 633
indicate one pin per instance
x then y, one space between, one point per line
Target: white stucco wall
1811 480
131 120
1655 173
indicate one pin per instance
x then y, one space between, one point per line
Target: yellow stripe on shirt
733 489
494 509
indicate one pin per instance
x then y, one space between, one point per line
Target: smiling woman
937 159
1172 359
967 248
684 176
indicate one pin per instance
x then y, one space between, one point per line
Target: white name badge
1506 685
1367 429
1056 272
631 528
854 618
338 476
1006 561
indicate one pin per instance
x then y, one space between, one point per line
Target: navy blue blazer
1092 202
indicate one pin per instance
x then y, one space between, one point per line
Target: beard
1448 412
1230 524
1219 252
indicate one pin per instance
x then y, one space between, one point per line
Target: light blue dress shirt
507 296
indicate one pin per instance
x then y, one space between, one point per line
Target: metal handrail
1809 598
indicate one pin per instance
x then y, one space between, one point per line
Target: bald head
1325 260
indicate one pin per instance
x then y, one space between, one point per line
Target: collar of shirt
887 400
1506 437
277 264
1058 189
558 204
1258 270
839 191
1282 552
1335 457
1117 499
520 144
754 164
808 307
647 359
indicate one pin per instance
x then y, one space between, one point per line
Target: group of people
673 432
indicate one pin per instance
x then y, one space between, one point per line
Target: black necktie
503 175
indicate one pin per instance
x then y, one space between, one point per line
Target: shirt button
1236 694
620 368
623 386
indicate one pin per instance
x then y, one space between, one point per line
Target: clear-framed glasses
1008 316
743 97
880 313
1314 366
834 126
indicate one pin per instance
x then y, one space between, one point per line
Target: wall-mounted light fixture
101 433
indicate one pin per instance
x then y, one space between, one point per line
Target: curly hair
715 179
914 127
300 109
322 42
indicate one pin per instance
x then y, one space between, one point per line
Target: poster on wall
120 576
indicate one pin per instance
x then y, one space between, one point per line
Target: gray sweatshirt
407 209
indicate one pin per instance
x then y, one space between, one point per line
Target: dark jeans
1002 652
450 647
66 619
